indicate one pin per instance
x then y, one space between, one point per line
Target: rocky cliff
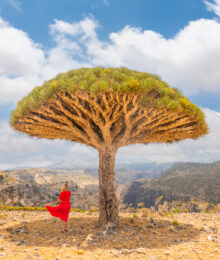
182 181
38 187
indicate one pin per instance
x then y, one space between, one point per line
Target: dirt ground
38 235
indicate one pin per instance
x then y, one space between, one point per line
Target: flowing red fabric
61 211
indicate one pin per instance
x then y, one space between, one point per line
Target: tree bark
108 203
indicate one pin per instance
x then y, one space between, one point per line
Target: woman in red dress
61 211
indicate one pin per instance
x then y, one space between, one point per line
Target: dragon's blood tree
108 109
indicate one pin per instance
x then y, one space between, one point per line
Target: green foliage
77 210
168 214
10 208
92 210
140 204
176 210
208 211
175 223
134 215
97 80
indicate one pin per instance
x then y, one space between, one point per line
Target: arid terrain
37 235
161 232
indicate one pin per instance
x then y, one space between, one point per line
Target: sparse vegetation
175 223
187 187
42 235
134 215
11 208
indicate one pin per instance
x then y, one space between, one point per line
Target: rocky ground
37 235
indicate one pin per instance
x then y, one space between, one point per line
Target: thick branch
112 119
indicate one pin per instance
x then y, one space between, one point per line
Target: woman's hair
64 187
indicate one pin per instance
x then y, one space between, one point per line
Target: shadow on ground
133 233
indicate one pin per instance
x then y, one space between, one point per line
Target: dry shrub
147 212
217 208
131 210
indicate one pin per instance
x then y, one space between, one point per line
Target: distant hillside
129 172
35 187
180 182
51 176
135 183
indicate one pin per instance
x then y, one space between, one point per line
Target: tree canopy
152 110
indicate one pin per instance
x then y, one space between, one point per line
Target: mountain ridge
182 181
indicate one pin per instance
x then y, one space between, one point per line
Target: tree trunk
108 203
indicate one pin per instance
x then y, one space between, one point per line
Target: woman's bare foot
65 227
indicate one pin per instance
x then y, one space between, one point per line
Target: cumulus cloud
214 6
19 55
188 61
20 63
25 64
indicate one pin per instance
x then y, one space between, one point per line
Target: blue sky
166 17
177 39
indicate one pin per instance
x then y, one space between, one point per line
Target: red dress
61 211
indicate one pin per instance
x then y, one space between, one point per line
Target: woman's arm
58 201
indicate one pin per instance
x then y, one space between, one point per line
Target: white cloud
188 61
21 61
214 7
18 150
25 64
85 28
19 55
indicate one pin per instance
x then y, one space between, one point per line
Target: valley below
38 187
147 184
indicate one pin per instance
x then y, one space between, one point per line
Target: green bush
175 223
